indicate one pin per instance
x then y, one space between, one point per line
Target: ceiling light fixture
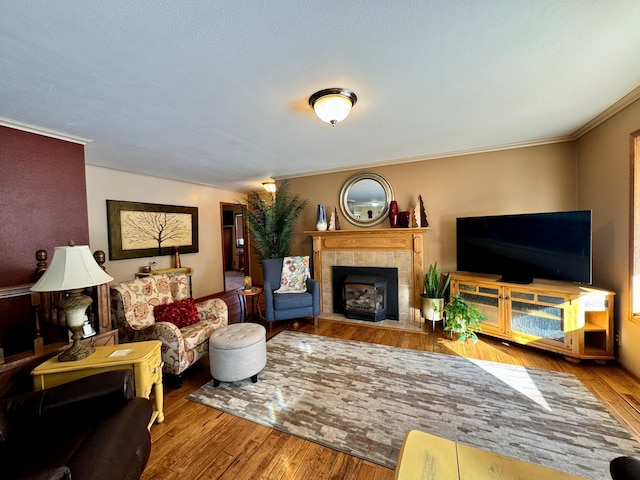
332 105
269 186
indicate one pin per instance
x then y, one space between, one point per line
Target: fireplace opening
365 297
339 275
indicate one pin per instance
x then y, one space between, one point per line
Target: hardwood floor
197 442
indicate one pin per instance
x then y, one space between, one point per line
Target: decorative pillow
295 271
181 313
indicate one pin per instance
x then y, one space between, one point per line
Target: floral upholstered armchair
159 307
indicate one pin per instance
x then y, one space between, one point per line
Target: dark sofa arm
120 446
60 473
625 468
103 392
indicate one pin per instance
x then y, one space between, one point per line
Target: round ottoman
236 352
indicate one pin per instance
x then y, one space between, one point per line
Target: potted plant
271 221
462 318
435 287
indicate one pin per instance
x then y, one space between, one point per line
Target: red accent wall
43 204
44 200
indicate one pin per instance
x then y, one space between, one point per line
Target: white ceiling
216 92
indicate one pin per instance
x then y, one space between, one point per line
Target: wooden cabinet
574 320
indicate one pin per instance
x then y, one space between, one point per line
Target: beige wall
604 179
533 179
104 183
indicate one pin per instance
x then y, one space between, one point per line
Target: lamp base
78 350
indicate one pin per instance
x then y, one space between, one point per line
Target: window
635 225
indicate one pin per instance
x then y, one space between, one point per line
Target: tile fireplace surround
400 248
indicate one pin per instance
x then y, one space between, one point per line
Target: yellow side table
427 456
144 358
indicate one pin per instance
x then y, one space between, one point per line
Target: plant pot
432 308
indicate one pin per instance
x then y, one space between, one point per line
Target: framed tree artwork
148 229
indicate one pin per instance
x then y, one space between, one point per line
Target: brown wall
604 178
44 205
533 179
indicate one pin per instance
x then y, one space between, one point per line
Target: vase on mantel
321 218
393 214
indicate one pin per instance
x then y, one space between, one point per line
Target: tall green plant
271 222
435 286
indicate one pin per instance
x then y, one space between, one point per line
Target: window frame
634 229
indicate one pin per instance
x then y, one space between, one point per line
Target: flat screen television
553 246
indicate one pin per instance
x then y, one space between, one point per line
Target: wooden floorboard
197 442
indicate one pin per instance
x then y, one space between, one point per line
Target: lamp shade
72 267
333 105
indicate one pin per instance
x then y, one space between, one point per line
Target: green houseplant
462 318
435 288
271 221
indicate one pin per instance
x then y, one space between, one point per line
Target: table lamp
72 269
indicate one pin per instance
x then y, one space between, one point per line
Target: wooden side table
254 294
144 358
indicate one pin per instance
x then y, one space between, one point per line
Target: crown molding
435 156
621 104
26 127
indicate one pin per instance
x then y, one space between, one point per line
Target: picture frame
139 229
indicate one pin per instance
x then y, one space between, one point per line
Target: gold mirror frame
356 189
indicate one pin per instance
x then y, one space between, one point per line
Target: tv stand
573 320
517 281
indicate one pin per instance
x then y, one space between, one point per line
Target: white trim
26 127
621 104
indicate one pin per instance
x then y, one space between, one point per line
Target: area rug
361 399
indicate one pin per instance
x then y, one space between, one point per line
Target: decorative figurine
332 221
423 215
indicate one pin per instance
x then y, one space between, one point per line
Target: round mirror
364 199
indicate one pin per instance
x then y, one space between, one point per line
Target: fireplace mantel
384 247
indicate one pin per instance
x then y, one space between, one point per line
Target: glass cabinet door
486 299
538 315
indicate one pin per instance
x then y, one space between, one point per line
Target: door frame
235 208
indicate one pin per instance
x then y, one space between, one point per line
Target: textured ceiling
216 92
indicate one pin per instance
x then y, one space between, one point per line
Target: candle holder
247 283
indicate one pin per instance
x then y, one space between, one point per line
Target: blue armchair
285 306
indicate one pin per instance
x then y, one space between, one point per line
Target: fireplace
364 297
371 280
384 247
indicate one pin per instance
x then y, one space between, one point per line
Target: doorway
234 245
